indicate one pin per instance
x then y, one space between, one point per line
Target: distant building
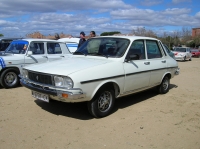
195 32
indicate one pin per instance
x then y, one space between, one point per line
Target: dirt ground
144 120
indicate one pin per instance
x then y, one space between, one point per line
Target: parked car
71 43
101 70
182 53
195 53
5 42
28 51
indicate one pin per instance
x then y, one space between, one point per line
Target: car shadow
80 111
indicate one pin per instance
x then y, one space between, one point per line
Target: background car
195 53
71 43
25 52
5 42
182 53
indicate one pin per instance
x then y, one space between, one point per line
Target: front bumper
179 58
73 95
177 71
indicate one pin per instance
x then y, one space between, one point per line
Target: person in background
92 34
57 36
82 39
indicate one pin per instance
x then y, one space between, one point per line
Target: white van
71 43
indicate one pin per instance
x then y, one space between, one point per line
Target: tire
102 103
190 59
184 59
9 78
163 88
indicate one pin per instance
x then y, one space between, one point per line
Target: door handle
146 63
45 56
62 56
163 61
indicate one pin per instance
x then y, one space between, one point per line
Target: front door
38 56
137 72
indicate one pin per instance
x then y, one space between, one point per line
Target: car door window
53 48
137 48
37 48
153 50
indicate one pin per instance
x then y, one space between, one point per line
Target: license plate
40 96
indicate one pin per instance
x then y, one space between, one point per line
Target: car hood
67 66
12 58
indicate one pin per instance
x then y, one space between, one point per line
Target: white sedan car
101 70
25 52
182 53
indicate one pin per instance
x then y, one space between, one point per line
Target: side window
53 48
153 50
36 48
137 48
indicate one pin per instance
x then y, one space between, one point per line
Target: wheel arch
110 84
168 74
15 68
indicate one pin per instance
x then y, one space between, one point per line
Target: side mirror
132 57
29 53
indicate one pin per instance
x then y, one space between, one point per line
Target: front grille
40 78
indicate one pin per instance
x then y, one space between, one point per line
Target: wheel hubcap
104 101
165 84
10 78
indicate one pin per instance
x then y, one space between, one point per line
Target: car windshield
106 47
194 50
17 47
180 49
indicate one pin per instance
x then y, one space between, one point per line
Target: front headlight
25 73
63 82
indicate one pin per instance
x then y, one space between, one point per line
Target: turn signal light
65 95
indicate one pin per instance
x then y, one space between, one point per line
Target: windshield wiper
78 53
98 54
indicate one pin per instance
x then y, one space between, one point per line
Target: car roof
128 37
9 38
36 39
69 40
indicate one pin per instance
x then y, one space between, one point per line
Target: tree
141 31
110 33
1 35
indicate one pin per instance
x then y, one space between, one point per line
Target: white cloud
74 16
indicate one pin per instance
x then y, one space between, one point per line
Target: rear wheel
164 86
9 78
102 103
190 59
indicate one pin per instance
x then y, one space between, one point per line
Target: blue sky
21 17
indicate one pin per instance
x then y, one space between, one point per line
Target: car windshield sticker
2 63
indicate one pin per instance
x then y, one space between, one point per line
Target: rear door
56 51
157 61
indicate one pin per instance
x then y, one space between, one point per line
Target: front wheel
164 86
9 78
102 103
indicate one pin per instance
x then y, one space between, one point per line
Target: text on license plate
40 96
